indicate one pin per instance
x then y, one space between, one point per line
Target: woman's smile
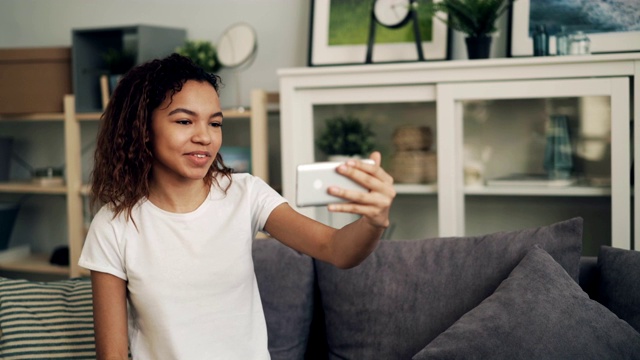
200 158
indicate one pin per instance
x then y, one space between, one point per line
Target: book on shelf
105 92
529 180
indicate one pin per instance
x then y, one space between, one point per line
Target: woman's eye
216 124
184 122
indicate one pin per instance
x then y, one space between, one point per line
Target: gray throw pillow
538 312
41 320
407 292
286 283
619 288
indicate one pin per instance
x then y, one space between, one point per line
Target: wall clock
393 14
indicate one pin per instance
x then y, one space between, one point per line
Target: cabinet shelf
25 187
36 263
538 191
411 189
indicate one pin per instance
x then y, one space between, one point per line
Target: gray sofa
524 294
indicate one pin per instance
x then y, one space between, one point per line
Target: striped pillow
46 320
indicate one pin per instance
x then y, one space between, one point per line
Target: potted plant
118 62
202 52
345 136
475 18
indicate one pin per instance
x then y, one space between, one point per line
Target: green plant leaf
345 135
118 61
201 52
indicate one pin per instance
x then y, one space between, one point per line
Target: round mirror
237 45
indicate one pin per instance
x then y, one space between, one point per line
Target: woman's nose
202 134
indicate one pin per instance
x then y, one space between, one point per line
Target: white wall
281 25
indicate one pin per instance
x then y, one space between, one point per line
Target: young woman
170 249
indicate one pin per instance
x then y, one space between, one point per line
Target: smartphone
314 179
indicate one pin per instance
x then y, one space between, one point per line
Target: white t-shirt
192 290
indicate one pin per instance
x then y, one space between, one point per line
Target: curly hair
123 156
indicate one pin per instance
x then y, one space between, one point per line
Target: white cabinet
518 141
500 108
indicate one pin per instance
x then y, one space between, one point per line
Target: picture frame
323 51
606 37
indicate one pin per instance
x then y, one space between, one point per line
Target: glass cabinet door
531 153
403 121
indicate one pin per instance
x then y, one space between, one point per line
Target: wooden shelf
235 114
265 102
37 263
71 119
32 117
92 116
26 187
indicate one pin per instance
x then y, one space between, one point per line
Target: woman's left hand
373 205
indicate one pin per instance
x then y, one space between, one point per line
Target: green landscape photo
349 24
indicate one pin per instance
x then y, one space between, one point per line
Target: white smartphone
314 179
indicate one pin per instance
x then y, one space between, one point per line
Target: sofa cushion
286 283
538 312
619 287
41 319
407 292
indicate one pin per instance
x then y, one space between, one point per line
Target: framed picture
611 25
339 33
